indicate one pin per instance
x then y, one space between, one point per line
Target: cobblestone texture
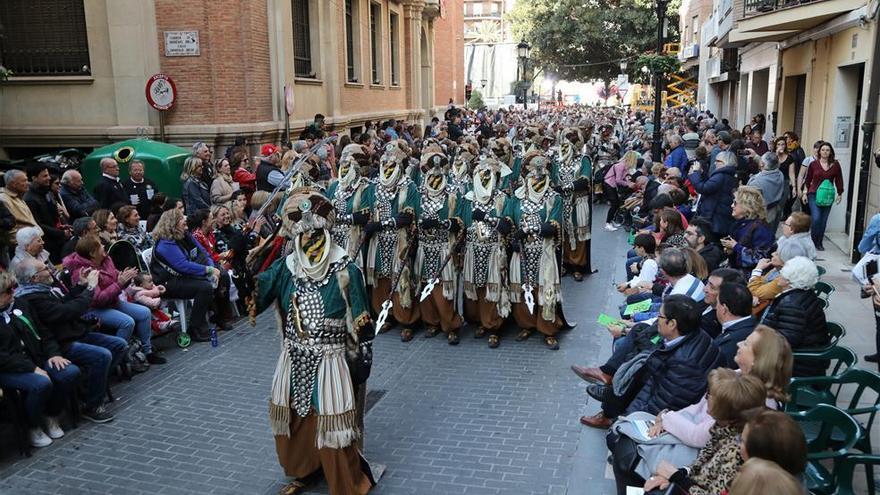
464 420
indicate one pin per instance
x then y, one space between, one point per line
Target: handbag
624 452
825 193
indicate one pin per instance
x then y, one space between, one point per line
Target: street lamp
658 80
522 53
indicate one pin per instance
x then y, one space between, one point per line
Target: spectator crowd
719 297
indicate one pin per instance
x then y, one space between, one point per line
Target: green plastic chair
841 359
823 290
847 471
836 331
862 381
828 422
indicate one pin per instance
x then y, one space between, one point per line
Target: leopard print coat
718 462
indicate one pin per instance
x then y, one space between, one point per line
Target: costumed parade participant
484 271
389 264
462 168
326 351
573 183
350 195
535 210
437 239
607 152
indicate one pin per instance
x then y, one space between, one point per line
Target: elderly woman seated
29 245
764 281
796 228
187 271
797 313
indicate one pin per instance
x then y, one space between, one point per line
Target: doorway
843 134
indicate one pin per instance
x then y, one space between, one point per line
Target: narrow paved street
442 419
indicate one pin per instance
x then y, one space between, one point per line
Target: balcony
482 16
775 20
689 52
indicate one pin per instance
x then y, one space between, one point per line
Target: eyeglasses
661 316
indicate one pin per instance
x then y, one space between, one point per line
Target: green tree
586 39
476 101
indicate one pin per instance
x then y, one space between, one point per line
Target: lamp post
522 54
658 81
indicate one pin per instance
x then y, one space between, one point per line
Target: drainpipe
868 128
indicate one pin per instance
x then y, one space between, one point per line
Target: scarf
439 190
26 288
481 194
301 266
349 178
389 182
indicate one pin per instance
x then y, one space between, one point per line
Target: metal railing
754 7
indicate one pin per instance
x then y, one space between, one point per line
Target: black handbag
624 452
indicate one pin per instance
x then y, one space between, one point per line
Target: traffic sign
161 92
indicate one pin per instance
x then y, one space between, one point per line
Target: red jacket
108 289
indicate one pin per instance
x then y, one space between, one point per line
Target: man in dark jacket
139 189
709 320
31 361
672 376
734 312
716 193
109 191
63 314
79 202
45 210
698 235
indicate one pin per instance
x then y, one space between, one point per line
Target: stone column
412 15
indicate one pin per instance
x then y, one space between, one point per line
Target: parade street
441 419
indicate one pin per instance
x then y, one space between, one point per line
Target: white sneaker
610 228
53 428
39 439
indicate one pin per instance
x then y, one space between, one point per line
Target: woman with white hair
764 281
797 313
29 244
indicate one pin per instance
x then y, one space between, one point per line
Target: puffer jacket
797 314
676 376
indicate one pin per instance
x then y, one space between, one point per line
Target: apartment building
80 67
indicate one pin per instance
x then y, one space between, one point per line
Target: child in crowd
144 292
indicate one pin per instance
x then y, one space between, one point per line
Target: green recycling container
163 163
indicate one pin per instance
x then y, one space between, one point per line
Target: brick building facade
351 60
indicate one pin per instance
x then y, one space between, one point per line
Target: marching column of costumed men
431 236
477 232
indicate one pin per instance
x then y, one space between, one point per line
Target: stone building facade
351 60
